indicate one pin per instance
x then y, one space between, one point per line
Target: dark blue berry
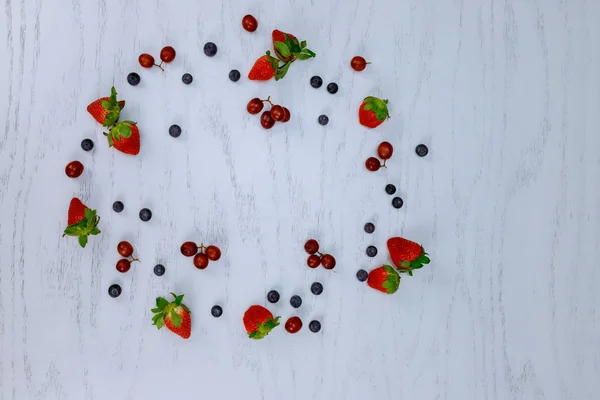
114 290
316 82
234 75
87 144
332 88
175 131
187 78
210 49
118 206
145 214
216 311
369 227
390 189
159 270
397 202
273 296
314 326
362 275
371 251
421 150
133 79
323 119
316 288
296 301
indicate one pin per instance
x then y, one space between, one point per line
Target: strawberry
259 322
82 221
372 112
406 255
264 68
280 37
288 48
385 279
125 137
106 110
175 315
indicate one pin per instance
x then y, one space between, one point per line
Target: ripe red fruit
385 279
123 265
106 110
266 120
213 253
287 116
311 246
189 249
372 164
74 169
82 221
125 137
125 249
358 63
406 254
313 261
328 261
259 321
293 325
201 261
385 150
167 54
277 113
175 316
264 69
146 60
372 112
249 23
255 106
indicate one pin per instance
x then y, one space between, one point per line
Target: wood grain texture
506 95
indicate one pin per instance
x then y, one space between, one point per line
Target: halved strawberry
82 221
407 255
385 279
106 110
176 316
125 137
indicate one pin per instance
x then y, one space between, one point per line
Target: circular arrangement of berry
126 136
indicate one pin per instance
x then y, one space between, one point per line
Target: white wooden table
505 94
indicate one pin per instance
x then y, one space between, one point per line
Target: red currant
74 169
146 60
266 120
213 253
123 265
372 164
313 261
311 246
277 113
249 23
201 261
358 63
167 54
125 249
328 261
385 150
189 249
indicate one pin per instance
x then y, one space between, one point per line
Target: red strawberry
406 255
279 37
264 68
385 279
288 48
106 110
175 316
259 322
82 221
125 137
372 112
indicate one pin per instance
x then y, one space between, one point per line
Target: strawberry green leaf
281 72
121 104
113 95
178 300
95 231
176 319
111 118
107 105
302 56
283 49
74 230
186 308
83 239
309 52
160 322
156 310
161 303
125 131
303 44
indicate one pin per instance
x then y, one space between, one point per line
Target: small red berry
146 60
201 261
123 265
328 261
311 246
189 249
277 113
372 164
293 325
249 23
74 169
167 54
125 249
358 63
287 116
313 261
266 120
213 253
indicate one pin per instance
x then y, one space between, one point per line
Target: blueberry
234 75
332 88
175 131
362 275
314 326
118 206
421 150
210 49
316 288
390 189
87 144
369 227
323 119
273 296
114 291
216 311
316 82
187 78
159 270
397 202
296 301
371 251
133 79
145 214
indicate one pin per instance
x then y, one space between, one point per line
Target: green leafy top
113 107
289 51
87 226
392 281
119 131
164 308
408 266
378 106
263 329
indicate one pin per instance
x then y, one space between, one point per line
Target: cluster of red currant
167 54
125 249
268 118
202 254
384 151
316 258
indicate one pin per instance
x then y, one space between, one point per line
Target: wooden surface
504 93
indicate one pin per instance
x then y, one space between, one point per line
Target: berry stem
133 259
160 66
319 253
201 247
268 100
